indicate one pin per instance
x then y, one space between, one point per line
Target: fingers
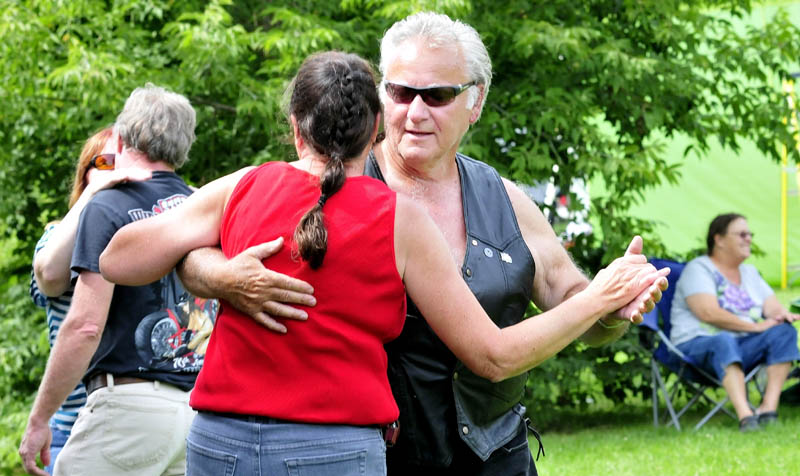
293 290
265 320
631 259
637 318
650 297
265 250
296 291
29 461
655 277
629 311
639 311
635 247
655 294
122 175
650 280
45 456
277 309
642 304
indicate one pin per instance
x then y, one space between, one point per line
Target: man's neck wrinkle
424 174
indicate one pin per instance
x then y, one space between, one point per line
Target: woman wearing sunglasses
725 316
316 396
50 280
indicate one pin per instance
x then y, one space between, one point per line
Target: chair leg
760 380
713 412
698 393
670 409
654 388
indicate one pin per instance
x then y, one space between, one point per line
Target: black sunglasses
434 96
103 161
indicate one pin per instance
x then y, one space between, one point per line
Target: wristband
606 326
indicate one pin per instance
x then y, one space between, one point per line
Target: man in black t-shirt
137 348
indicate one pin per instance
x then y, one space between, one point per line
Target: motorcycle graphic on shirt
175 338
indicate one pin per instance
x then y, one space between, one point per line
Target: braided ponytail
311 235
335 103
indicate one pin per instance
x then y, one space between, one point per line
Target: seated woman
717 320
317 395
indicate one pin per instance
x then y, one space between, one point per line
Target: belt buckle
96 382
390 433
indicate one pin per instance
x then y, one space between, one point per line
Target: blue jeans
776 345
253 446
59 440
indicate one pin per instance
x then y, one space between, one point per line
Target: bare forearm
600 334
137 256
51 265
726 320
246 284
773 309
202 273
538 338
597 334
77 341
66 366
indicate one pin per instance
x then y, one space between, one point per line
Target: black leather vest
439 398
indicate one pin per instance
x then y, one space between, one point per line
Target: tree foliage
587 90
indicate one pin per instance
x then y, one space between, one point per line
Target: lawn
628 444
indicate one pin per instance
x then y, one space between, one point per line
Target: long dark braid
335 103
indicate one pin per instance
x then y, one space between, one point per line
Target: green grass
628 444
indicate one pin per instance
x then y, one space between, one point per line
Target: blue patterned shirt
56 309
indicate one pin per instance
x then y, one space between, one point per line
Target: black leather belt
101 380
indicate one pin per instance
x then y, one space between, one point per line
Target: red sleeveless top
332 367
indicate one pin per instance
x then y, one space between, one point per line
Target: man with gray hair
133 346
452 421
436 74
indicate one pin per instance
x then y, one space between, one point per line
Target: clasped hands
627 276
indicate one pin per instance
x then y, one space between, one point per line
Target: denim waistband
247 418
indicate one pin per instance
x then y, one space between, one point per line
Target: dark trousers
512 459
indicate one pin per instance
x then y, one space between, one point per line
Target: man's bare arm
557 278
77 342
246 284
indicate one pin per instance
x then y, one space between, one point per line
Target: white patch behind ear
382 93
474 94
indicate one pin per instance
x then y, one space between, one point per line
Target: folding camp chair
697 382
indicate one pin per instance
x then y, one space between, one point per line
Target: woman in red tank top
316 396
